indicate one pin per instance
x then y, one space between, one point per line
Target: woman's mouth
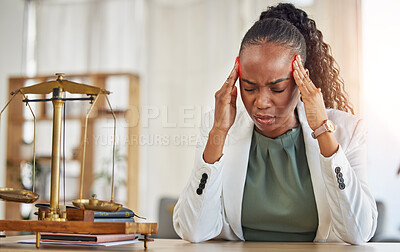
265 119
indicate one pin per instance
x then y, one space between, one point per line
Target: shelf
15 131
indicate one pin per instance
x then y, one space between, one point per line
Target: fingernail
296 64
299 58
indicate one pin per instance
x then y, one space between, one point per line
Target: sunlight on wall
381 91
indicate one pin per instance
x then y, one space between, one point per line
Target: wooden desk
172 245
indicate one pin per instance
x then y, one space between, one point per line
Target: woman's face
267 87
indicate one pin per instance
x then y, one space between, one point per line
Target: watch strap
319 131
322 129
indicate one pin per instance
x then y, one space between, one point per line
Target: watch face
330 125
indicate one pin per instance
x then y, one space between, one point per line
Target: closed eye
279 91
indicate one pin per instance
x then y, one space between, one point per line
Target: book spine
114 220
125 214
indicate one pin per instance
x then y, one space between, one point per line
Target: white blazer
344 215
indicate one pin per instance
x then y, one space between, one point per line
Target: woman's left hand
312 96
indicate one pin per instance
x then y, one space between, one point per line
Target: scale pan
18 195
97 205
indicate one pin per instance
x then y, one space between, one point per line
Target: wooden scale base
84 225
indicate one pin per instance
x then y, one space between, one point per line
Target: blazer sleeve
198 215
352 206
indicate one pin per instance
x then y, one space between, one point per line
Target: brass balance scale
56 218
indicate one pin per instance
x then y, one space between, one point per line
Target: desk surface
173 245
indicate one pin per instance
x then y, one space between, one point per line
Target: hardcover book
123 213
114 220
87 238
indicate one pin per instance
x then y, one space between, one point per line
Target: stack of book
123 215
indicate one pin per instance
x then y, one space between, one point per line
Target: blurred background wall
183 51
11 40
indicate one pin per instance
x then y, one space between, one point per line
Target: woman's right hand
225 103
225 113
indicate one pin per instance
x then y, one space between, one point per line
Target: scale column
58 95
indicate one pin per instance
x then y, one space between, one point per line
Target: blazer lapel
313 159
235 170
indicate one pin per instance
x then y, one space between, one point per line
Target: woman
288 169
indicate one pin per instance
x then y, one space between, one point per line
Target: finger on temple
303 74
301 69
230 81
299 81
233 76
299 59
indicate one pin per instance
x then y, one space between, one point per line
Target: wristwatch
328 125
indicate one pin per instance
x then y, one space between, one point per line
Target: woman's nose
263 100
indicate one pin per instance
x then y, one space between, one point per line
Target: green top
278 199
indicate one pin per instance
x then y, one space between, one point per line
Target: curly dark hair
324 70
